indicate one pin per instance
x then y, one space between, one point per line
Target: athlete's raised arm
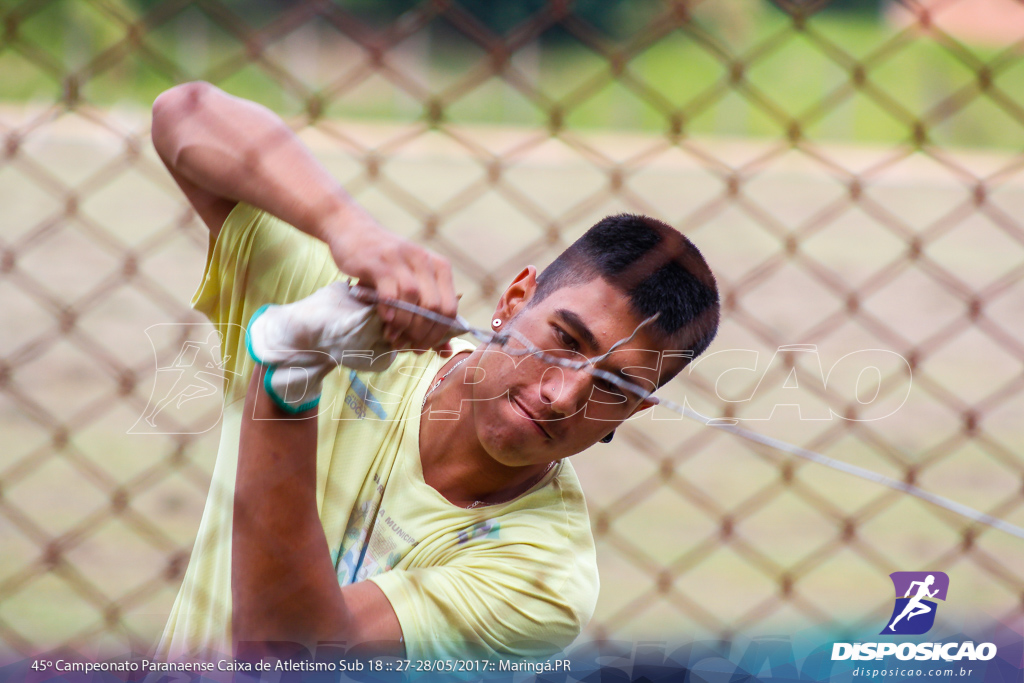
222 150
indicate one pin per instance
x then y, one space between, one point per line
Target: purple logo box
902 580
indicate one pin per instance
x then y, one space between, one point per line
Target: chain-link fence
851 171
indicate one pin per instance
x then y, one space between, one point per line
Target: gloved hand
303 341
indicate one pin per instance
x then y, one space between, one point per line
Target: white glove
303 341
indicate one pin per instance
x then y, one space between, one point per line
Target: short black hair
655 265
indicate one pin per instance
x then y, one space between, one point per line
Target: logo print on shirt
486 528
359 399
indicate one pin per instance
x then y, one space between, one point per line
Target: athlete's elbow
172 110
173 103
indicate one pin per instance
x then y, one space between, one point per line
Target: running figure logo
914 613
186 394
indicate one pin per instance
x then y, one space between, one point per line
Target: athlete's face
528 411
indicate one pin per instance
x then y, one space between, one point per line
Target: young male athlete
427 509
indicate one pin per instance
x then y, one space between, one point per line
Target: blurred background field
688 75
851 170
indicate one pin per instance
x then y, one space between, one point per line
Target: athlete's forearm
283 584
242 151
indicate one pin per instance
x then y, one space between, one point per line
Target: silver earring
496 322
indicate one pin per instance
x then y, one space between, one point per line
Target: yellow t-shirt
515 579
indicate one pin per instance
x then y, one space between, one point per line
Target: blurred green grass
683 74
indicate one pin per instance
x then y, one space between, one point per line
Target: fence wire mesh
853 178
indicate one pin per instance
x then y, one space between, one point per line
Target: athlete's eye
566 339
605 391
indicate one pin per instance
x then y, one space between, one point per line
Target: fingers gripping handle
457 325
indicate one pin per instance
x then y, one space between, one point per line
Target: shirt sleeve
256 259
528 597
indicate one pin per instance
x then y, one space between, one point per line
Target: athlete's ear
517 294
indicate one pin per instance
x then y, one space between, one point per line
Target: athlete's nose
565 391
